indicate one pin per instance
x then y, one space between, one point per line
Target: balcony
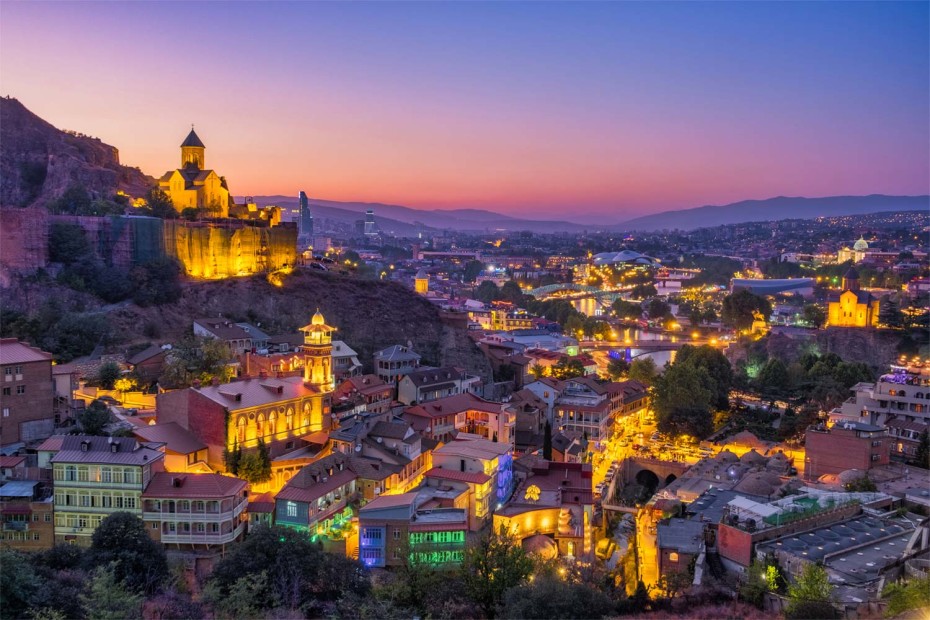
192 516
15 526
202 538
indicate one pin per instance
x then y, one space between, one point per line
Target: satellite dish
358 448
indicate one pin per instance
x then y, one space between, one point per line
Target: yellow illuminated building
192 186
852 307
421 282
318 353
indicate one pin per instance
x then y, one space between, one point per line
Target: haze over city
528 109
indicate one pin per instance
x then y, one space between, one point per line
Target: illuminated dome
541 545
317 318
861 245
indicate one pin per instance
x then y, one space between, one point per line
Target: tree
862 484
739 307
549 597
538 370
717 366
902 597
683 400
472 270
617 367
547 441
242 600
814 315
889 314
644 370
773 378
255 467
492 566
511 292
196 358
627 309
158 204
109 598
137 561
18 583
67 244
567 369
643 291
811 596
487 292
94 418
922 455
107 375
657 309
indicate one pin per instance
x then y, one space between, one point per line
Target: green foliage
567 369
156 283
67 244
32 177
889 314
644 370
472 270
714 269
255 467
717 366
617 367
18 583
549 597
643 291
94 418
107 375
303 575
762 577
814 315
683 399
657 309
196 358
121 542
810 597
158 204
110 599
487 292
492 566
738 309
902 597
863 484
75 201
243 599
537 370
627 309
773 378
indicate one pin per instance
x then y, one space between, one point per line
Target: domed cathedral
852 307
318 354
192 186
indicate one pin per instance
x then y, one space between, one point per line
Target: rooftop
12 351
105 450
175 437
683 535
212 486
256 392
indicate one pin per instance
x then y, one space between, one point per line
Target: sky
606 110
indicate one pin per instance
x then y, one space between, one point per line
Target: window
291 509
6 391
8 371
19 370
201 528
48 517
396 534
154 525
20 389
6 412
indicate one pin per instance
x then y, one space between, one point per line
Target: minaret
421 282
318 354
192 151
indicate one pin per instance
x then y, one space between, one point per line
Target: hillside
779 208
369 315
38 162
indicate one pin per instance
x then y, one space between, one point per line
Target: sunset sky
532 109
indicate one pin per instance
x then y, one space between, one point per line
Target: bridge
654 474
644 346
572 290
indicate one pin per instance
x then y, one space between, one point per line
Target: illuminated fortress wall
230 248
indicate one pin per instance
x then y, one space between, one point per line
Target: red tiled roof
11 461
12 351
52 444
212 486
176 437
458 476
317 490
256 392
261 503
456 403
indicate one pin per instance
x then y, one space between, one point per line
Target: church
192 186
852 307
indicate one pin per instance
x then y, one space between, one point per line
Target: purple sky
533 109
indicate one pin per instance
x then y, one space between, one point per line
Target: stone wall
221 250
23 242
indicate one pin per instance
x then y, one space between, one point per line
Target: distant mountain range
38 163
780 208
388 216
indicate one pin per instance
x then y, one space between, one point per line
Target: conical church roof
192 139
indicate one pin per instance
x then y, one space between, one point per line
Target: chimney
262 374
176 482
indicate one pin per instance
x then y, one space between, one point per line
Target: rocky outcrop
38 162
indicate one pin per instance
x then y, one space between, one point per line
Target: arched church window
272 423
260 424
289 419
240 429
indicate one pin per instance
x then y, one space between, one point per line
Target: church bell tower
192 151
318 354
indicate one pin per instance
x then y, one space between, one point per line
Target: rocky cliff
38 162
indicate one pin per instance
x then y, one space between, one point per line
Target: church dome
317 318
192 139
861 245
421 275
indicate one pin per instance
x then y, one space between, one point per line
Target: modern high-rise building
306 217
370 226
